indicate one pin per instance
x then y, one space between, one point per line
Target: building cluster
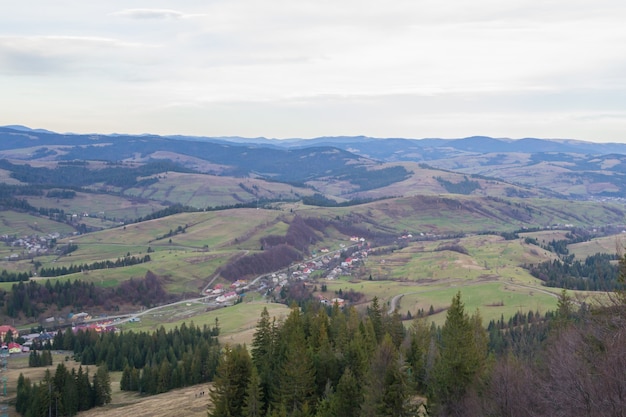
30 245
8 335
228 294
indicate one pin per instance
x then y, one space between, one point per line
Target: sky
303 69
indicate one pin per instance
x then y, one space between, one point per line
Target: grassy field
489 278
201 191
608 244
24 224
237 323
484 268
99 206
181 402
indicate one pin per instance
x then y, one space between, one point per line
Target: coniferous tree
417 354
232 379
23 394
296 385
348 396
461 358
102 386
375 314
84 390
253 404
263 352
386 392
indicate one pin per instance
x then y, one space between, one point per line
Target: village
30 246
327 265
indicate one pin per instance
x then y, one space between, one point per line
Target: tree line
595 273
72 269
31 299
36 359
336 363
151 363
7 276
63 394
320 362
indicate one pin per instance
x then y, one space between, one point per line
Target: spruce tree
253 404
386 392
102 386
375 314
348 396
232 379
461 359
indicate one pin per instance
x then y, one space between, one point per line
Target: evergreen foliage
464 187
461 359
63 394
31 299
72 269
36 359
595 273
233 376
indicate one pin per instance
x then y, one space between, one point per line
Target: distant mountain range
569 167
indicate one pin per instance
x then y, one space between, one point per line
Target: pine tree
232 379
83 390
24 393
386 392
417 353
253 404
297 374
462 357
375 314
348 397
102 386
263 350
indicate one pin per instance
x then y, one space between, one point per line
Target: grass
184 401
237 323
24 224
607 244
99 206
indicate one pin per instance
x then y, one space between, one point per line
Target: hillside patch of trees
463 187
72 269
151 363
595 273
31 299
63 393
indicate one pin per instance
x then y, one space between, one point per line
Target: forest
464 187
343 364
323 361
63 393
32 299
72 269
595 273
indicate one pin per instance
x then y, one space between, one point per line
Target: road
204 298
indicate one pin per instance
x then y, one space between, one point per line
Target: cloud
325 66
152 14
41 55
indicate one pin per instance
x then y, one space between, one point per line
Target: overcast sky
301 68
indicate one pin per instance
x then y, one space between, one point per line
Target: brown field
187 402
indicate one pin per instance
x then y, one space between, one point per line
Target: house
81 317
14 348
238 283
5 329
229 296
339 301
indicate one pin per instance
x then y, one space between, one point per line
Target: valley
138 232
